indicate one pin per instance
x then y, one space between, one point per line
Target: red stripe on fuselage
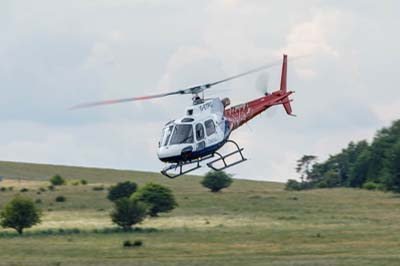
242 113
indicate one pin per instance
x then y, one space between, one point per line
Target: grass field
253 223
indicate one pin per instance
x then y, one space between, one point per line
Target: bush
128 212
372 186
75 182
57 180
216 180
51 187
121 190
127 244
293 185
61 199
38 201
24 190
158 198
136 243
20 213
10 188
41 189
3 189
83 182
98 188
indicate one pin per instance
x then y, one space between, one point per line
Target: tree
381 148
57 180
216 180
128 212
20 213
292 184
157 197
375 165
304 166
360 169
392 178
121 190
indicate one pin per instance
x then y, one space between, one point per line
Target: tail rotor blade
262 82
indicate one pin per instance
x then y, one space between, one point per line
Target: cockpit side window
210 127
199 131
182 134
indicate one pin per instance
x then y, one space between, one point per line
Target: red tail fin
284 74
286 105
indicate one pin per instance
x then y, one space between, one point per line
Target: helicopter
207 125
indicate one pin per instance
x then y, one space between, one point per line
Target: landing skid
222 158
170 170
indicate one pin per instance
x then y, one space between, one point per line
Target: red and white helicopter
207 125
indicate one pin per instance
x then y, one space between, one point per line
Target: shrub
75 182
293 185
41 189
51 187
61 199
38 201
128 212
216 180
83 182
10 188
98 188
372 186
136 243
158 198
127 244
57 180
20 213
121 190
24 190
3 189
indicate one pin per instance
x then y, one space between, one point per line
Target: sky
56 54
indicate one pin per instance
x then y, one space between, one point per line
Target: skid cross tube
167 170
223 157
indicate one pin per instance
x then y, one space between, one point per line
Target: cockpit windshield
166 135
182 134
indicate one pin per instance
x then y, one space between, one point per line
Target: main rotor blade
106 102
252 71
243 74
192 90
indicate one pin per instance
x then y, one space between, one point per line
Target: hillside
254 223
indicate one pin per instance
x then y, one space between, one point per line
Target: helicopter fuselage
208 125
201 132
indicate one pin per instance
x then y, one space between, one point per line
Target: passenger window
210 127
199 132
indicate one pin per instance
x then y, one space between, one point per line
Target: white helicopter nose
168 151
172 151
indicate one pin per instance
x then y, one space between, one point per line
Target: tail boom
240 114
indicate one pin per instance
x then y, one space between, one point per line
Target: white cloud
312 37
121 144
53 55
387 111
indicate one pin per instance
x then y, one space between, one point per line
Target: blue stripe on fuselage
197 154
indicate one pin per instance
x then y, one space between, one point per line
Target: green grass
253 223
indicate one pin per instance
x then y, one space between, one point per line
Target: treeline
372 166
